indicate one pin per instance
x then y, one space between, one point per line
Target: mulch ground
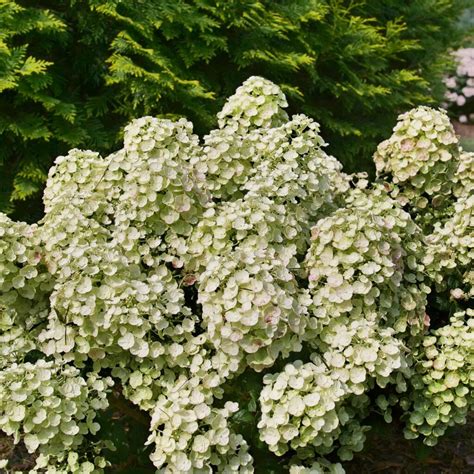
387 452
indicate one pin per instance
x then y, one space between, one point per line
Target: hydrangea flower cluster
435 180
464 178
439 389
190 435
174 266
68 462
421 158
25 284
451 250
460 93
50 406
321 466
257 103
264 310
364 263
231 151
443 383
306 407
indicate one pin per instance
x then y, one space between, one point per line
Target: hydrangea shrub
172 269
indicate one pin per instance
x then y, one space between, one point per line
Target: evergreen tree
72 73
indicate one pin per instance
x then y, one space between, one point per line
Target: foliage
74 73
252 301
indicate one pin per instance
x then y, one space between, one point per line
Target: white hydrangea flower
451 248
256 103
175 266
306 409
365 263
90 461
252 306
189 434
464 177
321 466
443 383
25 284
421 158
460 88
49 405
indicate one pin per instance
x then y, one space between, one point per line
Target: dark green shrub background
72 73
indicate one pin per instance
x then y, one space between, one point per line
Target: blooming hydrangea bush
173 268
